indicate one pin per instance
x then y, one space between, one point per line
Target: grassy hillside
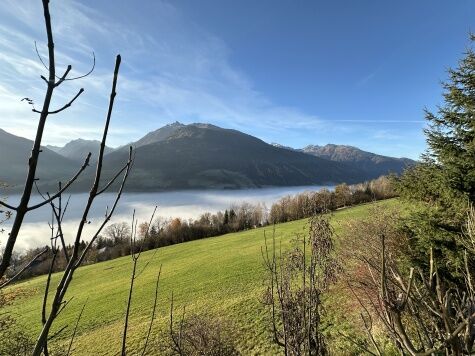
219 276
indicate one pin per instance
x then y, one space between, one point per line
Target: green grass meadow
221 276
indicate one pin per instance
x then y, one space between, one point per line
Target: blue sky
292 72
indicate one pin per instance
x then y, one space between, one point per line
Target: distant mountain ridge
179 156
78 149
207 156
14 154
159 135
371 163
344 153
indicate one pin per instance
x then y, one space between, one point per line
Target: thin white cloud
183 74
387 135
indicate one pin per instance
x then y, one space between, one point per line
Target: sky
359 73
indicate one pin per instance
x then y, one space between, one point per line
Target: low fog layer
183 204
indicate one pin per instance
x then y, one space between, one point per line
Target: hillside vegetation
221 276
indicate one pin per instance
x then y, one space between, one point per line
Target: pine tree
232 215
451 134
444 182
226 217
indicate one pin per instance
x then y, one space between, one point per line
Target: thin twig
112 181
153 312
76 327
66 186
63 78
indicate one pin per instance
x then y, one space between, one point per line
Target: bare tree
118 232
56 232
296 283
136 251
136 248
76 257
23 207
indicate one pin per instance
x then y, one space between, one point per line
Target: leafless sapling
135 253
77 257
296 282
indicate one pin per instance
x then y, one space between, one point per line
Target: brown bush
199 335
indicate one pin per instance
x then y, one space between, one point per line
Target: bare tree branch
59 215
84 75
68 69
65 106
112 181
66 72
135 257
20 272
66 186
41 59
127 312
7 206
110 213
22 209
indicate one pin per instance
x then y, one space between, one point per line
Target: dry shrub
360 251
417 309
296 284
13 340
201 335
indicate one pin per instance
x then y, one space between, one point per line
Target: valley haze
187 204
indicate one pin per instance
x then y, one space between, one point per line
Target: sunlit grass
220 276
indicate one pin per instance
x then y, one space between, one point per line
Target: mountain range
371 163
14 153
77 150
194 156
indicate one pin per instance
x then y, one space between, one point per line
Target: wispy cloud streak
183 75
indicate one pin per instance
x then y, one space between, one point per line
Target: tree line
114 242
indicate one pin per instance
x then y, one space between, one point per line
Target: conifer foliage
451 134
